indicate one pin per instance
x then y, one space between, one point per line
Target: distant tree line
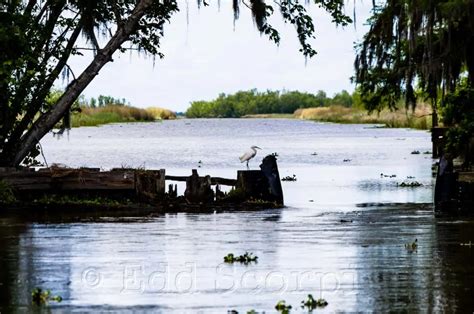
82 101
102 101
254 102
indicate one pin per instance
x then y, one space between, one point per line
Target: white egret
249 155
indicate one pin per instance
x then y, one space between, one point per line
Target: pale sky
209 56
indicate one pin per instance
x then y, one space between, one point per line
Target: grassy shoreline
419 119
269 116
118 114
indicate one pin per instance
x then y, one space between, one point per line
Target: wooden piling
264 184
438 140
454 189
269 168
150 185
198 189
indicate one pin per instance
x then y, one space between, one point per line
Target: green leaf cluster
458 113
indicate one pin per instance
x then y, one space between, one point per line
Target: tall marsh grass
161 113
110 114
419 119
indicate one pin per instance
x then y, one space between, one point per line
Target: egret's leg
248 165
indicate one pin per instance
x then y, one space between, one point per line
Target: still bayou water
341 236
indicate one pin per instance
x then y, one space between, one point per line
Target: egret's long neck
254 149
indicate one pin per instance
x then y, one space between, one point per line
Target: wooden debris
255 188
198 189
150 185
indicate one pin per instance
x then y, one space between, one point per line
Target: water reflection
9 230
355 260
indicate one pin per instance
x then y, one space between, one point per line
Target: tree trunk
48 120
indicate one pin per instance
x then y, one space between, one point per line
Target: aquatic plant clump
237 312
247 258
412 246
42 297
413 184
289 178
310 303
54 199
282 307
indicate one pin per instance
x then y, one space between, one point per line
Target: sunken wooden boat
80 190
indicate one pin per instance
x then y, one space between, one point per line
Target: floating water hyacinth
310 303
282 307
289 178
42 297
247 258
412 246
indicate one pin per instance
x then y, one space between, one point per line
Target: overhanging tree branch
47 121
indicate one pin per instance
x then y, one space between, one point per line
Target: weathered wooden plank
214 180
95 181
22 180
177 178
150 184
223 181
6 169
70 179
